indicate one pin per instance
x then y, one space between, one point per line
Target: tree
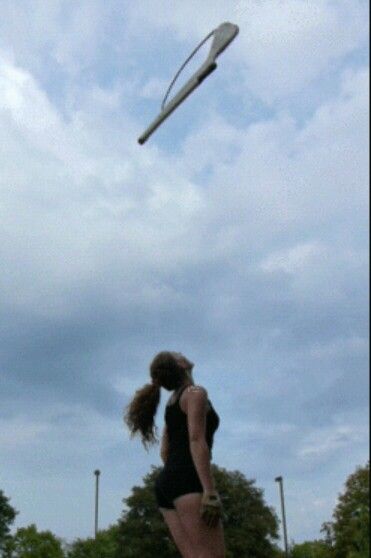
7 517
29 543
142 531
361 554
104 546
350 530
250 526
352 515
311 549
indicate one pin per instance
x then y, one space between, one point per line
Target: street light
223 36
97 474
280 481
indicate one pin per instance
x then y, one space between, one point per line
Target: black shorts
172 483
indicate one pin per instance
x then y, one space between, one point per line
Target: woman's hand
211 508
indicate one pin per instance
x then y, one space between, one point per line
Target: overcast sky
238 235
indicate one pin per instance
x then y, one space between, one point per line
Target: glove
211 508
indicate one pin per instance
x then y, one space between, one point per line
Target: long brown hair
140 413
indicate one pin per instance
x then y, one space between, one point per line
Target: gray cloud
243 244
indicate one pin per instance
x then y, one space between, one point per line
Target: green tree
104 546
351 525
29 543
142 531
7 517
311 549
250 526
361 554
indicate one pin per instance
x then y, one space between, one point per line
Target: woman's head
169 370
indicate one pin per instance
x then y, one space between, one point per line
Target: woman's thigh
208 541
178 533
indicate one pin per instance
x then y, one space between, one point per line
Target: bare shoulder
193 396
196 392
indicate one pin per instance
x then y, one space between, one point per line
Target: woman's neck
186 383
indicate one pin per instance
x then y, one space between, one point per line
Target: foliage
350 530
7 517
142 531
104 546
29 543
311 549
250 526
362 554
277 552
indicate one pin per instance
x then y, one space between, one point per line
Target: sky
237 235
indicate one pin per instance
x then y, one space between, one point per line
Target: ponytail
140 413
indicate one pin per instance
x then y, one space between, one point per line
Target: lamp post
97 474
280 481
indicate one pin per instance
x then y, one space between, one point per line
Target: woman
185 489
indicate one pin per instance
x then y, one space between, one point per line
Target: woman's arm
196 405
164 452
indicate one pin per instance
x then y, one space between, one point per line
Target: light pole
97 474
280 481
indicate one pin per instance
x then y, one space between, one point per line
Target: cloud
64 34
111 226
15 433
293 259
326 441
238 238
155 89
290 44
283 45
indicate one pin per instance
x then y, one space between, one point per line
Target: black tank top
177 428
